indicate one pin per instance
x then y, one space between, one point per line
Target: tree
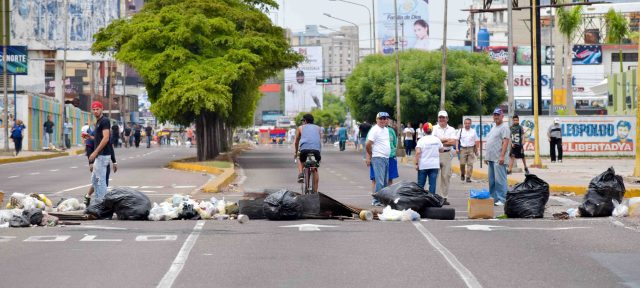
569 20
371 86
201 61
617 29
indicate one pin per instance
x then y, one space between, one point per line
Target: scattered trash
163 212
390 214
620 209
366 215
49 220
408 195
71 204
527 199
126 203
561 216
573 212
479 193
480 208
281 205
502 216
242 219
602 189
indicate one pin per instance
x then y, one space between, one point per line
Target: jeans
363 143
555 143
47 139
17 144
148 141
343 144
497 181
432 175
99 176
408 146
67 141
381 171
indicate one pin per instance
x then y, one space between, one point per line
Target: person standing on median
378 152
67 133
48 131
17 135
102 151
449 138
469 147
497 150
555 140
517 147
427 160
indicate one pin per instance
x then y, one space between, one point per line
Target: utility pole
373 13
398 118
443 81
534 47
481 112
4 79
511 101
636 170
64 72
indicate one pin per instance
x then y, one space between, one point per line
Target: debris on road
620 209
408 195
602 190
390 214
282 205
71 204
527 199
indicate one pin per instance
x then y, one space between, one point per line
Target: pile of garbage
182 207
28 210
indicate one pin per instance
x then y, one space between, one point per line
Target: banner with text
413 23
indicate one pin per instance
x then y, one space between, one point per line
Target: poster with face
302 94
413 25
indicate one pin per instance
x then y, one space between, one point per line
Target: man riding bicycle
308 141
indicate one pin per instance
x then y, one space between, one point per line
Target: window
626 57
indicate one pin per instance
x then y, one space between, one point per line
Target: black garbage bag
408 195
188 212
527 199
99 209
34 216
602 189
128 204
282 205
19 221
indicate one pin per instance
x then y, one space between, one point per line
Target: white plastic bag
221 206
163 212
208 208
621 209
71 204
389 214
410 215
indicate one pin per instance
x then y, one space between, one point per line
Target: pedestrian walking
497 149
408 134
469 147
66 130
48 132
363 130
88 135
126 135
427 160
447 135
342 137
420 131
137 135
378 152
149 132
102 151
17 135
115 136
356 137
517 147
555 140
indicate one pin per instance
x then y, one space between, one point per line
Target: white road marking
151 187
56 238
155 238
34 173
98 227
71 189
148 191
184 186
74 167
6 238
565 201
14 176
478 227
54 170
92 238
181 259
464 273
308 227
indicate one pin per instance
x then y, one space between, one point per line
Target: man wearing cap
449 139
469 147
497 151
427 160
102 152
303 97
378 152
555 140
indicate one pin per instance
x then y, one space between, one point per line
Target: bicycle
310 169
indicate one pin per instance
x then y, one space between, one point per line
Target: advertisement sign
269 117
587 54
581 136
412 19
301 93
548 55
523 55
499 53
17 60
584 77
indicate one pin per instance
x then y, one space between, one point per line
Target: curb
34 157
224 176
578 190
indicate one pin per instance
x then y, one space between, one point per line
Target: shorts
303 155
517 152
393 170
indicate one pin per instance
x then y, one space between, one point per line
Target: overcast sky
295 14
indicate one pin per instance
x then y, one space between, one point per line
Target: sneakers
526 170
468 180
446 202
461 177
300 178
87 200
499 203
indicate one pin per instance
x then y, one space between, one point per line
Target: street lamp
371 24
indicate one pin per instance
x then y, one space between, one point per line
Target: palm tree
569 20
617 29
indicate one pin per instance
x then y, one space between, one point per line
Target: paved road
461 253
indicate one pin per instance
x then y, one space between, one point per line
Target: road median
47 155
224 172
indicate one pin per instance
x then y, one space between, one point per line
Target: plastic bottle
366 215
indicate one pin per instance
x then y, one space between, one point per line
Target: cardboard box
480 208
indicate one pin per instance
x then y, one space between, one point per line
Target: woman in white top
427 158
408 133
421 28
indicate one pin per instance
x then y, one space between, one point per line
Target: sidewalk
37 155
572 175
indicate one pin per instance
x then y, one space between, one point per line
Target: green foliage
371 86
333 104
617 26
322 118
200 56
569 20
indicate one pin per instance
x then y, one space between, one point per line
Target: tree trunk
206 134
620 54
571 108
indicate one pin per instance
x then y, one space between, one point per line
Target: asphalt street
305 253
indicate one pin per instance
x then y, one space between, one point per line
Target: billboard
584 77
413 23
17 60
499 53
587 54
581 135
301 94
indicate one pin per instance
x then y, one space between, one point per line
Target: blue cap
498 111
382 114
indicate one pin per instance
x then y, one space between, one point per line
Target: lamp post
400 151
443 80
357 40
636 170
371 27
4 80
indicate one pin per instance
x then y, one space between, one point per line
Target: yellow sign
559 97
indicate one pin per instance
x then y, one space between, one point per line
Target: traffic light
323 80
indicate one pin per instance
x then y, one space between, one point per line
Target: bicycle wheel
314 188
307 181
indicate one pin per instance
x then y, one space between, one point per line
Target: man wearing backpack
16 135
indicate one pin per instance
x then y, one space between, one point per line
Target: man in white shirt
408 133
447 135
469 147
428 159
302 96
378 152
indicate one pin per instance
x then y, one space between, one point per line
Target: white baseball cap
556 120
443 114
